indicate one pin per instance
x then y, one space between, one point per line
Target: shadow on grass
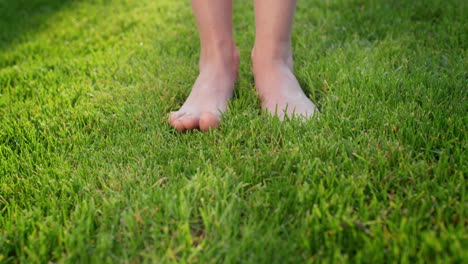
19 17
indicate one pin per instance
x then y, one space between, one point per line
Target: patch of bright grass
91 172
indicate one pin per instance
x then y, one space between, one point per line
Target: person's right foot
209 96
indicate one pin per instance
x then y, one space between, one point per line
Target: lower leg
218 68
275 82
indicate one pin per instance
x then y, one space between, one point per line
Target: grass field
90 172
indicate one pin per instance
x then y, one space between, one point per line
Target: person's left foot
279 90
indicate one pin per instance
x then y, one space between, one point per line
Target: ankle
222 54
271 56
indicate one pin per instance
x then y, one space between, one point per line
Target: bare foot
209 96
279 90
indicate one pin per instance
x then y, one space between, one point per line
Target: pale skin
276 85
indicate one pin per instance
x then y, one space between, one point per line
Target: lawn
90 171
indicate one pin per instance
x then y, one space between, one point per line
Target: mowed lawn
90 172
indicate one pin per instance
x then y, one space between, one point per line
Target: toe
208 121
308 113
275 110
175 115
177 124
190 122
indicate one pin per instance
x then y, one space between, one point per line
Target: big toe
208 120
276 110
307 111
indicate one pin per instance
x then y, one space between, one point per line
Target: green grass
90 172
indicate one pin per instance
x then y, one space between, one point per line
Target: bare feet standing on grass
275 82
